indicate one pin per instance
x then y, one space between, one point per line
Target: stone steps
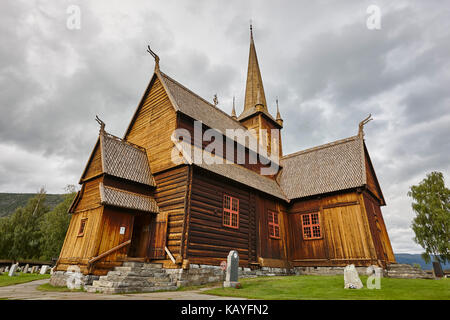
134 277
406 271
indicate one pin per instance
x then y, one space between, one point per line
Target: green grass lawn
6 280
332 288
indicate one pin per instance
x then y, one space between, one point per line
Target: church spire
233 111
254 91
279 120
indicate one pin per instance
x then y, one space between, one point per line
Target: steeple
278 119
254 92
233 111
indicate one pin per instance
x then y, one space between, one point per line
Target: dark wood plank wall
170 194
210 241
372 184
187 123
378 228
270 248
346 233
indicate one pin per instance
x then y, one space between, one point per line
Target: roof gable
331 167
118 158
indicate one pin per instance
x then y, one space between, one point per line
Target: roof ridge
319 147
204 100
113 137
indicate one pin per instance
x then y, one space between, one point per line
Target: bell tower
255 115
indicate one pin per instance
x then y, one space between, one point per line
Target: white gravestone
351 278
44 269
12 271
7 269
26 268
232 275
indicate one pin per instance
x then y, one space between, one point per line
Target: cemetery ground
6 280
307 287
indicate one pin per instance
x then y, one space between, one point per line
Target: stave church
321 208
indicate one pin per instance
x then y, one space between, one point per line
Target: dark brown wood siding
346 232
210 241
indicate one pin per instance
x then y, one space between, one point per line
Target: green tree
431 203
20 233
54 227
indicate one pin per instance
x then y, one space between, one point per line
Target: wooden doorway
141 236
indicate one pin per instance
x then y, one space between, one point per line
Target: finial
278 119
154 55
233 111
362 123
101 123
215 100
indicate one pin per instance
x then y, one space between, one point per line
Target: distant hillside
408 258
9 202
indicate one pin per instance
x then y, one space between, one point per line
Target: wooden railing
93 260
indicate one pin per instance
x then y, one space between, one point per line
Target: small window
311 226
230 212
274 226
82 227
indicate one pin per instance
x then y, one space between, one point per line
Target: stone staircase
134 277
406 271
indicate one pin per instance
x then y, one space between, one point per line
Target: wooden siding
270 248
372 183
346 235
153 126
94 165
209 241
187 123
170 195
78 250
90 195
378 228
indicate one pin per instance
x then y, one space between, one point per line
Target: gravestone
232 275
7 269
2 269
33 269
437 270
44 269
26 268
351 278
13 270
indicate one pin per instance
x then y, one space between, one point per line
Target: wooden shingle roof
327 168
125 160
198 108
235 172
127 200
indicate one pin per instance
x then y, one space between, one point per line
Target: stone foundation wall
59 279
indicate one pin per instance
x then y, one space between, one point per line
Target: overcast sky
327 68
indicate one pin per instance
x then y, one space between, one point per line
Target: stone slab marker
232 275
44 269
7 269
351 278
12 271
33 269
25 269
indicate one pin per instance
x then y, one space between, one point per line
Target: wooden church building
321 208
